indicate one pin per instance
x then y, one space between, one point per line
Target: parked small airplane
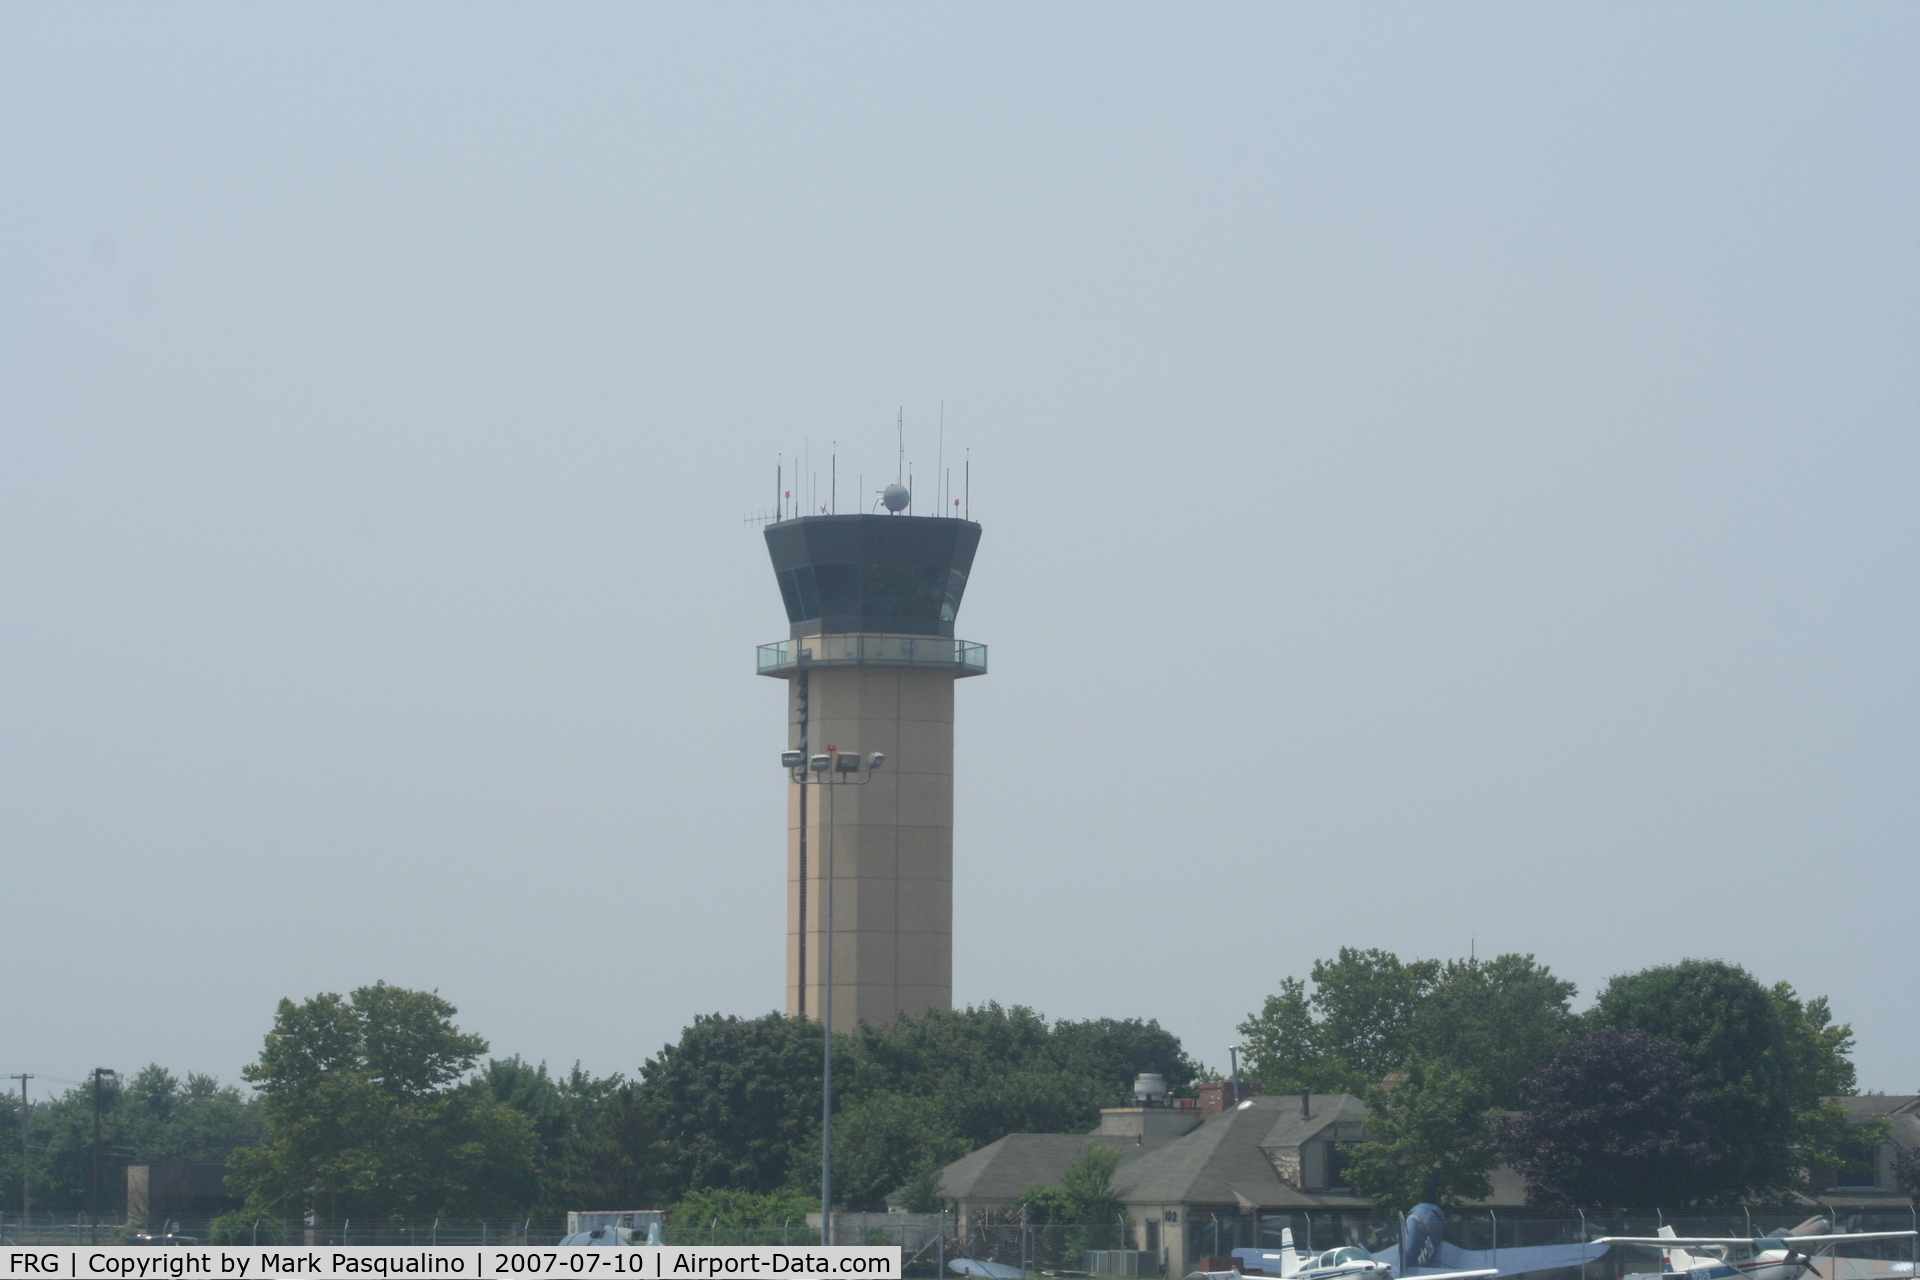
1421 1254
1337 1264
1783 1255
983 1270
613 1236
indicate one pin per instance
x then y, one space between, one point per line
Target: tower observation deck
870 664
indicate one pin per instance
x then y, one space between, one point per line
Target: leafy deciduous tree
1609 1123
150 1115
370 1113
734 1101
1370 1012
1501 1019
1432 1138
595 1135
1759 1059
1084 1194
1906 1169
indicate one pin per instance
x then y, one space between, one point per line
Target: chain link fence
1218 1233
931 1243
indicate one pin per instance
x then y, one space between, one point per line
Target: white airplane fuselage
1771 1264
1358 1270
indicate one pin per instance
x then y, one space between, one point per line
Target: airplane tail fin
1678 1259
1289 1260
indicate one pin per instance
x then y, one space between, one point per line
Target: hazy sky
1448 476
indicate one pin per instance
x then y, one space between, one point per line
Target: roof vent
1149 1090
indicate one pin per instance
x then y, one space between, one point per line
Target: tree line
1684 1084
376 1104
145 1116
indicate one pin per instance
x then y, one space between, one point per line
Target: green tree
371 1113
1817 1050
881 1142
734 1102
1369 1012
1286 1050
921 1194
614 1159
595 1137
1759 1058
1433 1137
1501 1019
150 1115
1367 1002
990 1071
1084 1195
242 1227
740 1217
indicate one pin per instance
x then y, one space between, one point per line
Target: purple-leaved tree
1610 1123
1906 1169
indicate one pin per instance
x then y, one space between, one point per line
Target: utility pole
25 1115
93 1210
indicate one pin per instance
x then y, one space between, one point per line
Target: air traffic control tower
870 666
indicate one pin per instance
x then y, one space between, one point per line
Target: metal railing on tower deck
962 657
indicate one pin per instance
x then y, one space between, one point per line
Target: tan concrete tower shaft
892 844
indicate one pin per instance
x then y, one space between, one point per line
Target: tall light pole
26 1116
93 1211
833 770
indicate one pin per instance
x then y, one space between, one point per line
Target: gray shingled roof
1866 1106
1003 1170
1227 1160
1224 1161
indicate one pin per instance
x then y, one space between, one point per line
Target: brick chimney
1217 1095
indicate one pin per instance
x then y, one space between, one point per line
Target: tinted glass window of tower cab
872 573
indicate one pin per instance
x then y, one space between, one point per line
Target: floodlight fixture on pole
848 766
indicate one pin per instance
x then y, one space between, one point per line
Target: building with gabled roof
1868 1181
1198 1182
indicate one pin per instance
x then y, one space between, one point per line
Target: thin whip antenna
779 487
968 484
940 461
833 479
900 460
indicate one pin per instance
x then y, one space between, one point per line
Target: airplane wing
985 1270
1507 1262
1777 1242
1454 1275
1669 1242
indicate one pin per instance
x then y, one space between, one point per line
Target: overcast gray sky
1448 476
